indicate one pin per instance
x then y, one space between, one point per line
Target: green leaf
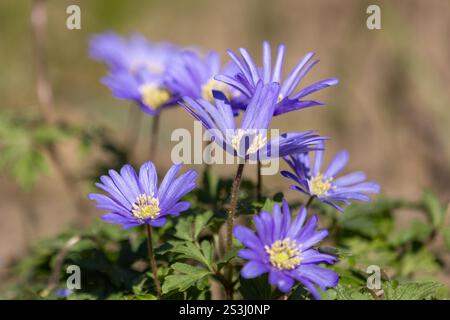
433 208
420 261
48 135
341 292
28 167
200 222
418 231
370 220
187 277
268 205
208 252
189 250
410 291
446 238
184 229
189 228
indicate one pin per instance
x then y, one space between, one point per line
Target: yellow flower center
213 84
146 207
318 185
154 96
259 141
284 255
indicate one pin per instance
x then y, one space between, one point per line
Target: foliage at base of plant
113 262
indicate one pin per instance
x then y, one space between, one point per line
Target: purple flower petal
337 164
282 281
253 269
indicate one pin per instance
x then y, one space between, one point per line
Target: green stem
152 260
310 200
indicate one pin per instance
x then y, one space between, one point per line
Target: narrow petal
168 180
148 178
337 164
324 278
315 238
159 222
267 62
276 76
282 281
318 158
131 179
247 237
253 269
178 207
322 84
296 227
118 219
312 256
349 179
249 254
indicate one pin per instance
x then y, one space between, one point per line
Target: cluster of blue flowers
160 75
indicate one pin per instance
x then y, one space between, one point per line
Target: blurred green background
390 110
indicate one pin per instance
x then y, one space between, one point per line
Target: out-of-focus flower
136 199
191 74
289 98
148 91
284 250
137 69
250 140
325 185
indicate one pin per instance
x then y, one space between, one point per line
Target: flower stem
258 181
154 137
233 205
152 260
230 223
310 200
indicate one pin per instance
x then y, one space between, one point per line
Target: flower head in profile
133 199
250 139
325 185
284 250
289 98
137 69
147 91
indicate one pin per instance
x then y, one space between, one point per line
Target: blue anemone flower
191 74
137 69
284 250
326 186
134 199
250 139
289 98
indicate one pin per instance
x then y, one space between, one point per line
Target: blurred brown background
390 110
